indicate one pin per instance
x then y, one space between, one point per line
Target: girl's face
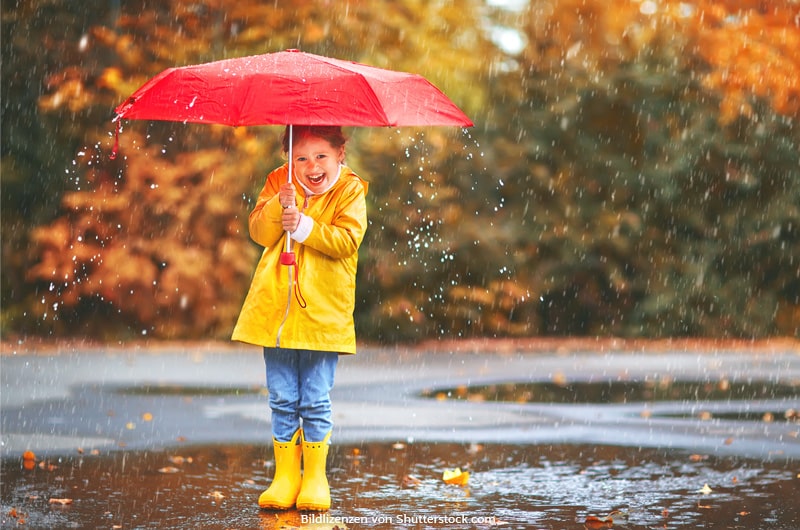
316 163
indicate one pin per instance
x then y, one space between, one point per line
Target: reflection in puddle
400 486
186 390
605 392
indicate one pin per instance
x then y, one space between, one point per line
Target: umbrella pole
291 159
287 257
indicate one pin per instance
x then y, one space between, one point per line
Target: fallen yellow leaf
28 460
705 490
596 522
592 521
62 502
455 476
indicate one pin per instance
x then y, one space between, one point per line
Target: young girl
302 313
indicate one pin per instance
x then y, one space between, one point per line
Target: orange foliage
746 49
752 49
161 244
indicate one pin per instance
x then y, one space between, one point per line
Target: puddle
618 392
184 390
788 415
399 486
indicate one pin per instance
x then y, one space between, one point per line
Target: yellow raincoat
326 265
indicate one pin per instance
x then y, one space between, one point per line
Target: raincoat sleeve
265 219
342 237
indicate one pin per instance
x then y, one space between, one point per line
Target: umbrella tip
292 50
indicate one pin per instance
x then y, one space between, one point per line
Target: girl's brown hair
331 133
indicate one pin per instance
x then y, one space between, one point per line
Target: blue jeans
299 384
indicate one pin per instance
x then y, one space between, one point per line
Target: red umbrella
290 88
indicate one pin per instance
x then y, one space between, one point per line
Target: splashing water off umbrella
290 88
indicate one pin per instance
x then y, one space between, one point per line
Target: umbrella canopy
291 87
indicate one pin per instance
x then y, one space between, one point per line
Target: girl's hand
290 218
287 195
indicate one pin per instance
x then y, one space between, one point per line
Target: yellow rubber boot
282 493
315 494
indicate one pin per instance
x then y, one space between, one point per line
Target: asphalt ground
59 398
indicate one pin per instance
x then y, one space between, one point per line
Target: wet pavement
176 437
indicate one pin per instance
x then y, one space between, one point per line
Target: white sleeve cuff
304 228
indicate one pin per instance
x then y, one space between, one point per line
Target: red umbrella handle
288 259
